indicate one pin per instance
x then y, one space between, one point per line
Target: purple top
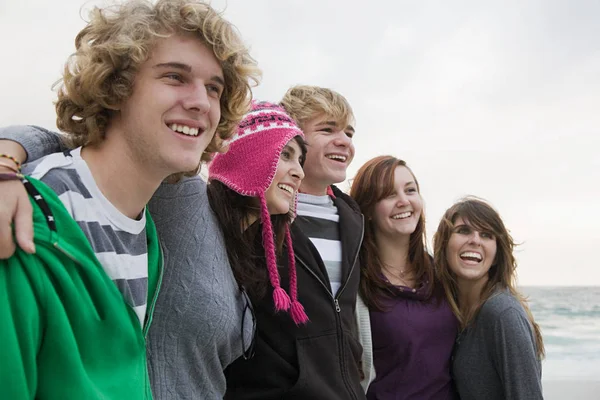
412 346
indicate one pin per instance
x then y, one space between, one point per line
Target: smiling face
398 214
174 109
281 193
470 253
330 152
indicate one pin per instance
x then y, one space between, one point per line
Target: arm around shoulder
35 141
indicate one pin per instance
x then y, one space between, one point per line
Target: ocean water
570 322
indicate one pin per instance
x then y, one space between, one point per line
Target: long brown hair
502 274
373 182
233 211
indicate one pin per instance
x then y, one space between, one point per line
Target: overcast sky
498 99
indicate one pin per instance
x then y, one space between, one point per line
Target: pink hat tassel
280 297
297 310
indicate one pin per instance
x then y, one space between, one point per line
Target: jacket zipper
328 290
155 297
65 252
146 328
151 314
338 322
362 236
339 293
160 277
336 303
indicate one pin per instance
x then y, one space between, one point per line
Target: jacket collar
351 233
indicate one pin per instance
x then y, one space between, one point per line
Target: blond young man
320 360
151 90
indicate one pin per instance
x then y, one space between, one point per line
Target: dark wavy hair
373 182
242 239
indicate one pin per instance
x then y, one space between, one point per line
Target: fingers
15 208
7 244
24 224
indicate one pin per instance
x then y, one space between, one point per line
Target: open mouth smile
337 157
471 256
403 215
286 188
185 130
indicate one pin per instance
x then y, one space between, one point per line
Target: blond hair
99 76
303 102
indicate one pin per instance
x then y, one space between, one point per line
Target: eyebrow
175 65
410 183
461 226
188 69
335 124
291 149
329 123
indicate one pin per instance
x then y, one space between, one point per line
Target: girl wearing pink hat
252 190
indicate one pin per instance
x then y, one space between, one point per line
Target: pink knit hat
248 168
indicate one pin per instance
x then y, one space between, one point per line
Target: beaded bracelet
10 176
17 162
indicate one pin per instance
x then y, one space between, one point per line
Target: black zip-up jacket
319 360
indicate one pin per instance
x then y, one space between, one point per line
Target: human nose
297 171
197 99
402 200
475 238
342 139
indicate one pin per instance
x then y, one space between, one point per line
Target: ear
114 107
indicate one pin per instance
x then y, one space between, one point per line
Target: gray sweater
495 357
196 328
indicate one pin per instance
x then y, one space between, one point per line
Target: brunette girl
498 352
412 326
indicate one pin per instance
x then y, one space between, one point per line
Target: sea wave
570 321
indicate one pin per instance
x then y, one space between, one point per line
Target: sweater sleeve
515 356
171 198
20 326
364 334
36 141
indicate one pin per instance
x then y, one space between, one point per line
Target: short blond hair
99 76
303 102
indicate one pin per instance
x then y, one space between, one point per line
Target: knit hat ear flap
249 168
280 297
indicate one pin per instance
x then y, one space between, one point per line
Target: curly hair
303 102
99 76
374 181
502 273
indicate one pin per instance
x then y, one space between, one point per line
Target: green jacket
65 330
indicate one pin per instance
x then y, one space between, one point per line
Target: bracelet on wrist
10 176
13 159
10 166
